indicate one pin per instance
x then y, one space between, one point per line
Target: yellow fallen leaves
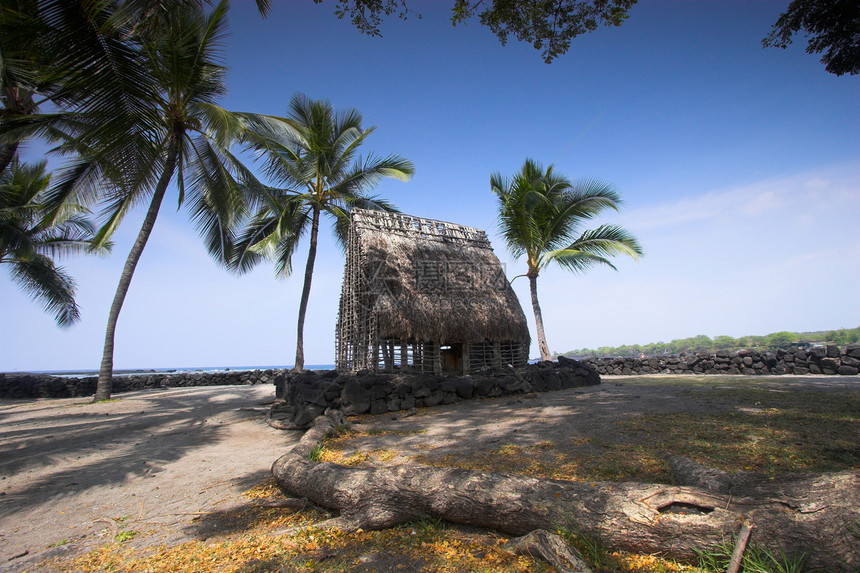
426 545
249 545
267 488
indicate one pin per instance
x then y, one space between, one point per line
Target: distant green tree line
702 343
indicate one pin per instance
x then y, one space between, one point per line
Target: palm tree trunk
306 292
105 383
7 153
542 345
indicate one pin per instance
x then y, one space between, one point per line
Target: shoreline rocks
25 385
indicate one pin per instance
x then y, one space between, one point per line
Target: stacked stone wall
309 394
388 392
819 360
23 385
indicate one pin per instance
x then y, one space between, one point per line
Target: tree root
550 547
811 513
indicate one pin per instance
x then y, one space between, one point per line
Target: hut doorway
452 357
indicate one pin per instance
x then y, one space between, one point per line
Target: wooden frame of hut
425 295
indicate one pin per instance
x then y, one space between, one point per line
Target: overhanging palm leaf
341 224
29 240
541 214
595 247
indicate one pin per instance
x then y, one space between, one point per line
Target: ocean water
201 369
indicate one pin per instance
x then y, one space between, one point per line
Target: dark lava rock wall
45 386
310 393
829 360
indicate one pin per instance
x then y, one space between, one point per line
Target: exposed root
636 517
550 547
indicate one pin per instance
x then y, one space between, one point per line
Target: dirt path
72 473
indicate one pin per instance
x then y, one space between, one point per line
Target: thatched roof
430 280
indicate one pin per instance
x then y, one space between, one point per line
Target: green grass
756 559
316 453
125 535
590 548
765 431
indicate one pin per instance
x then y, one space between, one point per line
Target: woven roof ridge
406 224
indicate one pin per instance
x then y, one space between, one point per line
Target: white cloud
829 187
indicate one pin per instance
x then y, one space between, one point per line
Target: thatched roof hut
425 294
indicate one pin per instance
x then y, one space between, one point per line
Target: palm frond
45 282
271 234
365 175
112 215
311 155
595 247
223 127
93 64
218 201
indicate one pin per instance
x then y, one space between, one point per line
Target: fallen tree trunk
817 514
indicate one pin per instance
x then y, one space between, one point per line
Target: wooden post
404 355
740 547
388 354
436 358
465 358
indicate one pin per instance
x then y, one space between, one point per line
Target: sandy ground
73 474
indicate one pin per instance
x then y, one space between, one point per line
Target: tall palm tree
168 128
28 242
541 216
134 85
191 142
312 159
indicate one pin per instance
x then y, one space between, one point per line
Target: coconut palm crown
541 217
312 159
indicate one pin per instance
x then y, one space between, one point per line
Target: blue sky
739 167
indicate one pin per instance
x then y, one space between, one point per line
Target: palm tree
191 140
168 127
28 242
541 215
312 158
134 86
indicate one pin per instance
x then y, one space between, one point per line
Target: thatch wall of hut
427 295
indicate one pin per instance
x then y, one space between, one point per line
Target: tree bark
105 382
550 547
542 345
306 292
813 513
7 153
15 103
